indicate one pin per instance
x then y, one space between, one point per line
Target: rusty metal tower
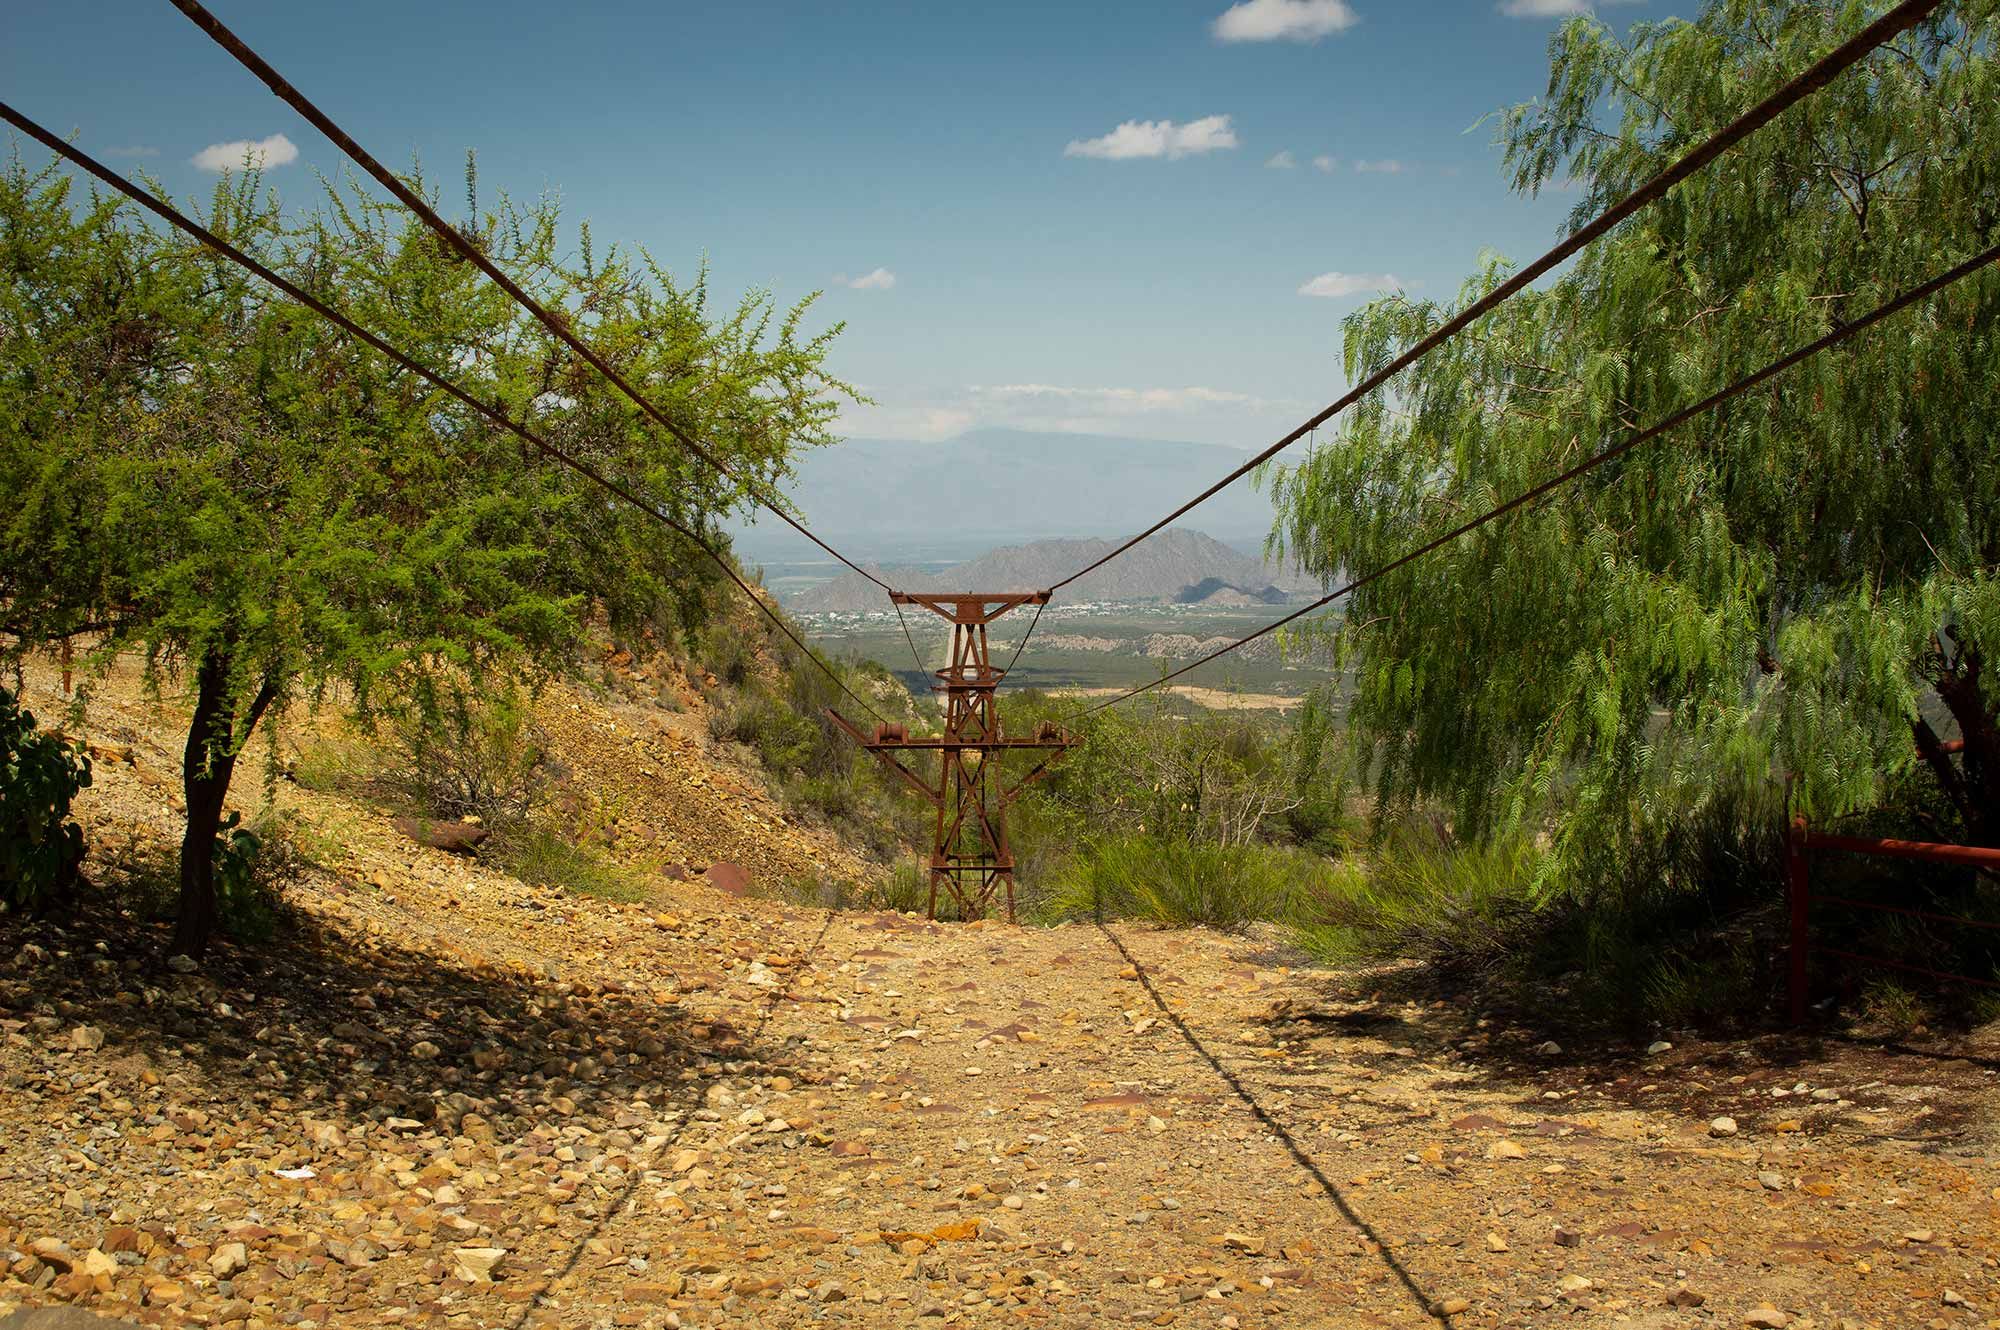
970 858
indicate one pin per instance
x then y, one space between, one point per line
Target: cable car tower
970 858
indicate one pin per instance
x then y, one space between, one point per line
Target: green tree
1783 589
208 475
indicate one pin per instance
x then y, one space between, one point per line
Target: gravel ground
439 1097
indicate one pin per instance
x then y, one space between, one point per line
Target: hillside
1176 565
1004 486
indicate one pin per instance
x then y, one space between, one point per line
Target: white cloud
274 151
879 280
1157 138
1386 166
1117 401
1334 285
1553 8
1284 20
1282 160
1324 164
132 150
1194 412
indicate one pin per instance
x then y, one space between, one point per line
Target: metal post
1798 895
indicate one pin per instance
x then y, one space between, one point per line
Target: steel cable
174 217
1816 76
1842 333
915 655
452 236
1022 645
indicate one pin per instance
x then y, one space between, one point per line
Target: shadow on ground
347 1028
1483 1038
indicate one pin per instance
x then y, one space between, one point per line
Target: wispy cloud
258 153
1554 8
1336 285
132 150
1324 165
1385 166
1284 20
1116 400
1157 138
1191 412
1282 160
879 280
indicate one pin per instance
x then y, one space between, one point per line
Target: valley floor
442 1098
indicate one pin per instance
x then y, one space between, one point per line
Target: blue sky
1050 268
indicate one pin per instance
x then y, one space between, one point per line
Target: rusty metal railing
1801 842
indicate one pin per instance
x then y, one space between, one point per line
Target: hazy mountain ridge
1004 486
1176 565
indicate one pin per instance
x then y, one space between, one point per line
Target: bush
830 797
246 897
541 858
1181 883
486 760
728 651
907 889
40 774
1422 894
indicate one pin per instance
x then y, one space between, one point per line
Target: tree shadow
1417 1014
347 1028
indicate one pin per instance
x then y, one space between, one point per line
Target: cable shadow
1902 1049
688 1103
1305 1161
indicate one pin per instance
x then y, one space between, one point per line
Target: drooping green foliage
40 775
204 473
1802 587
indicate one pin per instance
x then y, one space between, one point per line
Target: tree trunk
1973 785
206 768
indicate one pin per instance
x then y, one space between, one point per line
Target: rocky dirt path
491 1111
442 1098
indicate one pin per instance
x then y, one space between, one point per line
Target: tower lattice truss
971 862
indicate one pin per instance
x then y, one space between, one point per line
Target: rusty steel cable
1022 645
1840 334
458 241
915 655
174 217
1821 72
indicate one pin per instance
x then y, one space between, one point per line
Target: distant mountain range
1175 565
991 487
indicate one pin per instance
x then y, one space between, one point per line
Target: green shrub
1423 894
907 889
1892 1008
40 774
246 897
728 650
1181 883
821 893
483 759
830 797
541 858
785 741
